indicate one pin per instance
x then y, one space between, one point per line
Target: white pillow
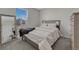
52 25
44 25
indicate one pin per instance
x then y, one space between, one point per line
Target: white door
7 25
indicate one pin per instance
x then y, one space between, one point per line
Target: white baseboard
64 36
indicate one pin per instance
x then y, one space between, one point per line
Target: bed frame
52 21
45 21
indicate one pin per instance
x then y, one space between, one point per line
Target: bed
45 36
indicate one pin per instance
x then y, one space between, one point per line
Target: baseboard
65 37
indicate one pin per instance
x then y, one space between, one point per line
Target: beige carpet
61 44
17 45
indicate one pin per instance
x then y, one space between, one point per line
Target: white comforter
44 37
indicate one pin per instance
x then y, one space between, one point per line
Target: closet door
0 30
7 25
77 30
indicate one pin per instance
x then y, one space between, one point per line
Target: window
21 16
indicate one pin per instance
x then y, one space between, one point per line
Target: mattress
43 37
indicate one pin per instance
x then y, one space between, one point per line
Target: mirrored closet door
7 22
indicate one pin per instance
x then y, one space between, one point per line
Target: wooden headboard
52 21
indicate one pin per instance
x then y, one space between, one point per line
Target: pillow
44 25
52 25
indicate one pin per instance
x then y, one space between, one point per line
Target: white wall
8 11
33 18
62 14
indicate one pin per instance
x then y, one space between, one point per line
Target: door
7 24
76 31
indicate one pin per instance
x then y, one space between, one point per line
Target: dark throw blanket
25 31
